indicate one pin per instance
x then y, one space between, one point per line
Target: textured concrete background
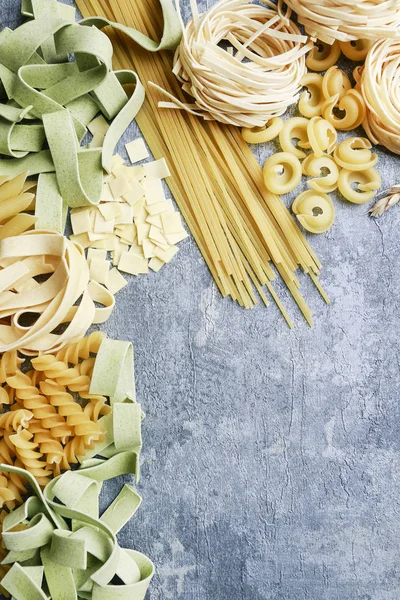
271 457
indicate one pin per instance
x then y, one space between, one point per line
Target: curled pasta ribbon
347 20
49 303
368 182
354 154
260 135
282 173
294 128
356 50
354 107
335 83
322 136
311 102
224 86
378 85
314 165
323 56
314 210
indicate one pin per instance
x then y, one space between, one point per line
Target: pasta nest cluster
255 79
379 84
43 428
346 20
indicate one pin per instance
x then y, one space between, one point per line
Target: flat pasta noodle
345 20
226 89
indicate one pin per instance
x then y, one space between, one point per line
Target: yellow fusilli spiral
82 349
61 373
74 448
76 418
29 455
48 445
38 404
15 420
9 363
6 495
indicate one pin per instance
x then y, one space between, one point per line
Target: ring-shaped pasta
354 107
311 101
260 135
323 56
354 154
322 136
295 128
282 173
314 210
356 50
335 82
314 166
368 182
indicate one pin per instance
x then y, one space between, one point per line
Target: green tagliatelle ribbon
69 544
51 99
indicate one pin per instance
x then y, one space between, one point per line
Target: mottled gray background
271 457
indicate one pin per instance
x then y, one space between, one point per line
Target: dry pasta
335 83
356 50
223 86
322 136
216 181
282 173
314 210
295 128
311 101
313 166
323 56
345 20
378 84
17 200
354 154
368 182
352 103
260 135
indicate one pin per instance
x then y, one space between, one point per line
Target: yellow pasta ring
321 135
369 181
294 128
354 154
260 135
322 56
282 173
314 168
311 101
356 50
314 210
335 82
352 104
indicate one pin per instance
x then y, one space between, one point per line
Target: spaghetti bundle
347 20
379 84
239 227
256 80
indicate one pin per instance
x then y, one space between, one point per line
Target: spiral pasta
323 56
368 182
282 173
354 154
352 103
81 349
311 102
30 456
347 20
313 166
377 82
260 135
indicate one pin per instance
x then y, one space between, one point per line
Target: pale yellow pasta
260 135
335 83
314 210
311 101
295 128
15 420
356 50
323 56
82 349
9 363
322 136
30 456
314 166
368 182
354 154
282 173
352 104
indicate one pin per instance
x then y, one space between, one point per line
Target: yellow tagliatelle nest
42 275
347 20
255 79
379 85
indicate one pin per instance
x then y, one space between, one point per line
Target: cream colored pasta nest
347 20
379 84
255 78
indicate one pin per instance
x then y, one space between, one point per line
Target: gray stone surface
271 457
